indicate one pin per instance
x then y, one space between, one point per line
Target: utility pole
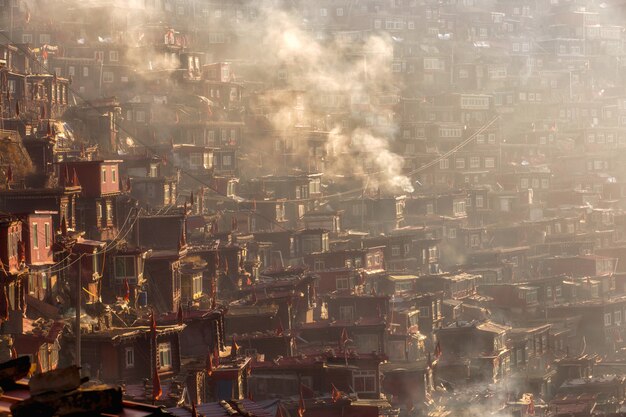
77 318
11 20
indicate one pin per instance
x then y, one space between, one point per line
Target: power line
148 147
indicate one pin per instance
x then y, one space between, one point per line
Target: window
549 292
474 162
524 183
480 201
129 355
109 212
452 233
364 381
44 38
35 236
342 283
27 38
114 56
424 312
165 355
196 284
340 11
433 64
195 160
107 77
459 208
444 164
319 265
140 116
430 208
113 176
71 70
216 37
607 319
47 234
125 267
460 163
490 162
227 160
346 313
558 290
617 316
85 71
104 175
323 12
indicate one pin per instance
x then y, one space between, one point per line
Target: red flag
301 408
234 347
279 329
217 260
213 293
9 174
233 223
4 303
75 182
191 200
126 290
209 364
13 352
216 356
17 108
531 406
344 338
438 350
156 381
182 243
250 396
307 392
194 412
179 314
64 226
335 394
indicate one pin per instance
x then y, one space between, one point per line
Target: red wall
90 176
110 186
42 255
